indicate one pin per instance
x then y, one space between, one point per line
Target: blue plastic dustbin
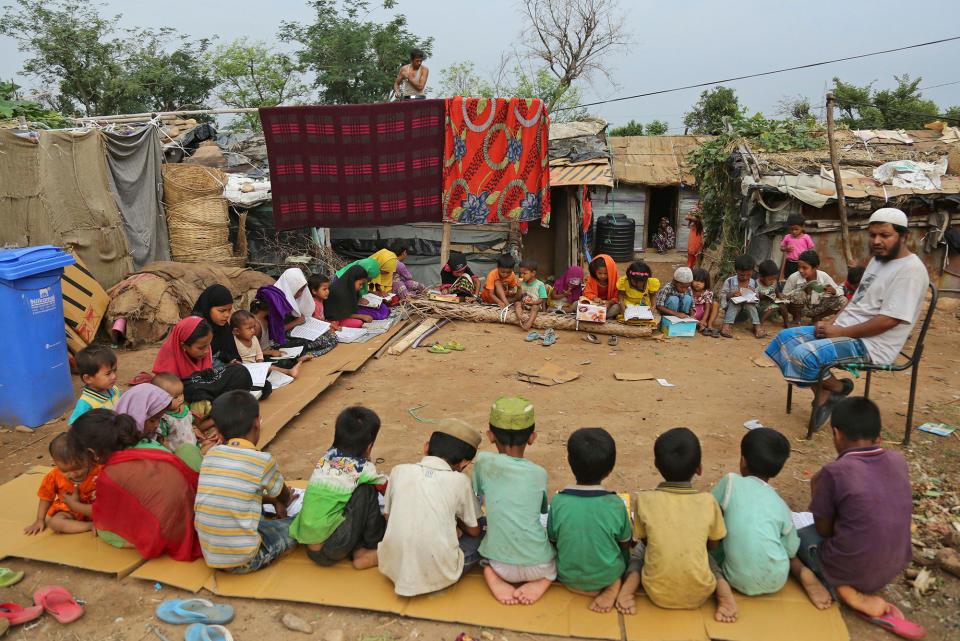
35 376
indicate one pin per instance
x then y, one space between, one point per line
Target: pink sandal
58 602
896 623
17 614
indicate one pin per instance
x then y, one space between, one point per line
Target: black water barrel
615 234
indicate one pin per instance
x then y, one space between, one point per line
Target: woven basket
183 183
200 231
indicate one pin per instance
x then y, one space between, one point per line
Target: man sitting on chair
872 328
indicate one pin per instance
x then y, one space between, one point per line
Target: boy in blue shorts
590 525
515 547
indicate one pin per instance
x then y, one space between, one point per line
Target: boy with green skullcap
515 547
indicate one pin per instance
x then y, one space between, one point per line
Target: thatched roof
654 160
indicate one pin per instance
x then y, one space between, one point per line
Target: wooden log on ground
401 345
492 314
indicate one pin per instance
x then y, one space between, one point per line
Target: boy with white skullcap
675 298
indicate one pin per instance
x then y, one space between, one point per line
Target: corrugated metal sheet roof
590 173
653 160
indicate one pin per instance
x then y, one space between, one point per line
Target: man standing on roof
412 78
873 327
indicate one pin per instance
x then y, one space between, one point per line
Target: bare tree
575 38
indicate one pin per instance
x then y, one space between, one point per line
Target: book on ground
311 330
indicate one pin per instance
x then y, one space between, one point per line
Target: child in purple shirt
862 506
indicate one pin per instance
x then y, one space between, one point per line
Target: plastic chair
911 363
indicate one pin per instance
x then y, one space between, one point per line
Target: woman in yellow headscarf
383 284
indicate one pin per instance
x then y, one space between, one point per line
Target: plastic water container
35 375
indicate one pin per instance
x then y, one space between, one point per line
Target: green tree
903 107
13 107
706 117
353 58
797 107
250 74
634 128
562 99
160 80
462 79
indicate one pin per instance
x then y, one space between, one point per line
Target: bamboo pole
445 243
838 183
154 114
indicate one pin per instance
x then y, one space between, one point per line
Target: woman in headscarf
456 277
567 289
146 403
665 238
300 305
343 304
371 269
293 284
144 494
186 353
387 262
404 284
215 305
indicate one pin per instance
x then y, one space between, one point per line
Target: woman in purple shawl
567 289
271 302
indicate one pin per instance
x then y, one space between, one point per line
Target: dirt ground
717 386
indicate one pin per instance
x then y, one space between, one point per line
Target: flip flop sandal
17 614
715 333
762 334
142 377
896 623
8 577
726 335
58 602
454 345
823 412
549 338
532 336
194 611
201 632
613 340
591 338
847 388
437 348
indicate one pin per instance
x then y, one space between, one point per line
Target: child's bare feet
364 558
308 357
818 594
502 591
626 602
295 370
726 604
871 605
530 593
605 600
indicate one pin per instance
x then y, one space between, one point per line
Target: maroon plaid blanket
355 165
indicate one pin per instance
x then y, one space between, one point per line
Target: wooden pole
445 243
838 183
189 112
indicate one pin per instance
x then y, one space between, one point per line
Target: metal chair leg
913 394
866 387
789 396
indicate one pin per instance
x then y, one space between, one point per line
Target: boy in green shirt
761 538
341 515
588 524
515 547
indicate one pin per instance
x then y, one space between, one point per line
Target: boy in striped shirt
235 480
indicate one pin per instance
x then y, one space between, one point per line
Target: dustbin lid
21 262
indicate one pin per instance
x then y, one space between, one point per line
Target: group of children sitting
436 523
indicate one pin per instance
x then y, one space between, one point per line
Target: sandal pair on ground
204 617
592 338
446 348
549 337
52 598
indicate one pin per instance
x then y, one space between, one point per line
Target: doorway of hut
662 204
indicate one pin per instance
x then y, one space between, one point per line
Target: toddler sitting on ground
74 476
588 524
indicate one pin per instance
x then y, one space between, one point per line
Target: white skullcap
683 275
889 215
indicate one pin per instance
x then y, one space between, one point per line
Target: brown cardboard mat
786 616
87 551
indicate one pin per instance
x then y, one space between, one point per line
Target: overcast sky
676 43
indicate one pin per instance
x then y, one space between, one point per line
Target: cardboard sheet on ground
87 551
628 376
787 615
548 374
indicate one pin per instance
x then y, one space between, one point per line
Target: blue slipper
549 338
194 611
532 336
201 632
